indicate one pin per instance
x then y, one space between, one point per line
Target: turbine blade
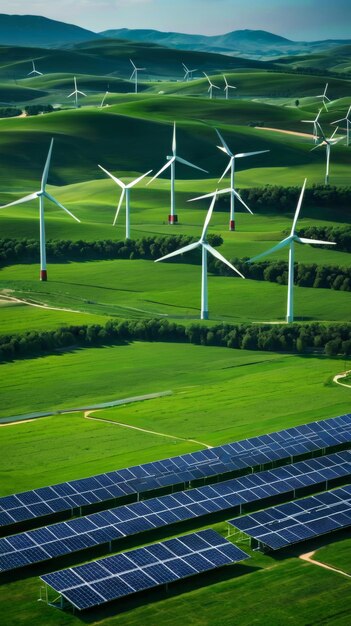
71 94
341 120
226 169
161 170
196 167
241 200
210 195
191 246
132 63
135 182
315 241
278 246
119 206
31 196
117 180
44 177
225 147
49 197
246 154
208 216
81 92
174 141
298 208
219 256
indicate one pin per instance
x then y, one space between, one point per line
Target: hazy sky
295 19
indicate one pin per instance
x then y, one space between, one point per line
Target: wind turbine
210 89
41 194
103 99
315 125
135 73
76 92
231 165
173 218
205 246
188 75
290 241
34 71
348 124
324 97
227 87
328 143
125 191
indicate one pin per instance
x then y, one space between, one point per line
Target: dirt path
337 377
143 430
39 306
308 557
286 132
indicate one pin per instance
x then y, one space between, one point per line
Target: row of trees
275 198
36 109
341 235
331 339
10 111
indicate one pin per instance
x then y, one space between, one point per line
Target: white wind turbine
315 125
328 142
76 92
125 192
227 87
348 124
211 87
41 194
205 246
171 161
324 97
35 71
290 242
188 74
135 74
103 99
231 165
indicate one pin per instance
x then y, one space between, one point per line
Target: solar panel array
237 456
116 576
293 522
66 537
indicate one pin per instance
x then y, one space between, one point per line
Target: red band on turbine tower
232 225
43 275
172 219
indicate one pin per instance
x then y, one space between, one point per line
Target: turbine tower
188 74
328 142
76 92
348 124
135 74
211 87
35 71
41 194
315 125
231 167
125 191
205 246
173 217
324 97
290 242
227 87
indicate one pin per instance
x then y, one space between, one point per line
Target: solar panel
291 523
95 583
233 457
99 528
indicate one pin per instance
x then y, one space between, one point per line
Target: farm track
308 557
337 378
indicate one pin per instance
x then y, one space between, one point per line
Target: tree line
330 339
341 235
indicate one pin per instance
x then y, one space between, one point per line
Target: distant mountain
27 30
255 44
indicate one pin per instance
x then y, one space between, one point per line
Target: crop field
217 394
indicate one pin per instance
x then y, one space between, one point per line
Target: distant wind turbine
328 142
315 125
173 217
348 124
35 71
205 246
76 92
188 74
125 191
41 194
227 87
211 87
134 74
324 97
290 241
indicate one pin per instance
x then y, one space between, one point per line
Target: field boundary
337 377
308 557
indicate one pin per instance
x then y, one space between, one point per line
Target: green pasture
17 317
137 288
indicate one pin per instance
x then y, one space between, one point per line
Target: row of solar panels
95 583
86 532
239 456
290 523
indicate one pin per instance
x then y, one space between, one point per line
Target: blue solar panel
178 470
